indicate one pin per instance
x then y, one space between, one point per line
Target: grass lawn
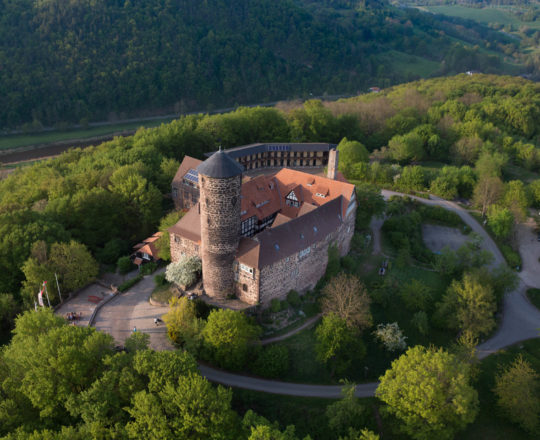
395 61
162 294
483 15
22 140
514 172
534 297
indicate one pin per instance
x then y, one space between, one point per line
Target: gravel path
520 321
306 324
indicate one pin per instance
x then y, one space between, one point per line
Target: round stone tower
220 180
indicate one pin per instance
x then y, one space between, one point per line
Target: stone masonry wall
251 282
220 232
181 247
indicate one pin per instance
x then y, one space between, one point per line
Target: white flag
40 298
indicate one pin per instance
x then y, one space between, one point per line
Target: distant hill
71 61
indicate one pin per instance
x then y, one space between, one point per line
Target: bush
148 268
184 272
421 322
112 251
512 257
125 265
391 336
129 283
275 305
160 280
293 298
273 361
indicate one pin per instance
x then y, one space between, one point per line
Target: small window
315 229
244 287
177 239
246 268
276 246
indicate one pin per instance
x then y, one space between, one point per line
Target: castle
260 237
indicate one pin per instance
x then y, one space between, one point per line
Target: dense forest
70 61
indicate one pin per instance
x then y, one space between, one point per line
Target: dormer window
292 200
264 202
320 195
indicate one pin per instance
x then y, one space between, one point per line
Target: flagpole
35 306
46 293
58 286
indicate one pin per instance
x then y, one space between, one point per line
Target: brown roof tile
189 226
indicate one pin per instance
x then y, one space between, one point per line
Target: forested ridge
72 61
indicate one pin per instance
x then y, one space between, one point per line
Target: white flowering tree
391 336
184 272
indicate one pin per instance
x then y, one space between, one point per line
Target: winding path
520 321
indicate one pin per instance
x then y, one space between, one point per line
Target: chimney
332 164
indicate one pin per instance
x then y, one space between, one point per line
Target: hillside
65 62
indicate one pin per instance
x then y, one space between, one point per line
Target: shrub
512 257
275 305
293 298
125 265
129 283
391 336
160 280
184 272
421 322
273 361
112 251
148 268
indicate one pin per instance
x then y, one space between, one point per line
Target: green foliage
469 305
416 296
273 361
126 285
371 202
293 298
184 272
407 148
518 394
137 341
259 428
183 325
421 322
347 413
500 220
516 200
163 244
338 344
447 402
125 265
364 434
412 178
227 335
350 153
275 305
160 279
148 268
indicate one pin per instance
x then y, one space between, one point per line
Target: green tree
337 344
500 220
188 408
227 335
517 388
515 199
391 336
350 153
416 296
469 305
364 434
487 192
346 413
406 148
183 326
73 263
412 178
164 242
447 402
370 203
273 361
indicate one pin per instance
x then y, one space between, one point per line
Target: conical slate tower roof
220 166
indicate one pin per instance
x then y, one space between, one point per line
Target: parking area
437 237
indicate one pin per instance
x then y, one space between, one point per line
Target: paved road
520 322
131 310
306 324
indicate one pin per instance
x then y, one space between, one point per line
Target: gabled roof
274 244
220 166
189 226
187 164
275 146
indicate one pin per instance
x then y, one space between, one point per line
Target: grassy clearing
23 140
162 294
483 15
534 297
395 61
514 172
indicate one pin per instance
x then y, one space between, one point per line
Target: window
304 252
244 287
292 200
248 226
175 192
320 195
246 268
177 239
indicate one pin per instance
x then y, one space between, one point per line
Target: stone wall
220 232
247 285
181 247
